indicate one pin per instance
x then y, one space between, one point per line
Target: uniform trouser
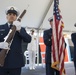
51 71
32 57
75 60
75 64
4 71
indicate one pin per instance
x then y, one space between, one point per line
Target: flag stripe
58 44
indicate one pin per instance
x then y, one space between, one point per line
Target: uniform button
1 34
49 39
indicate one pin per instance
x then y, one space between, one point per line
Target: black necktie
10 26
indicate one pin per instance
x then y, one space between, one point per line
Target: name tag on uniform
2 29
2 32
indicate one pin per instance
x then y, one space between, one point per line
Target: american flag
58 44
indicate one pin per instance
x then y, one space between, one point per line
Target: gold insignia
11 8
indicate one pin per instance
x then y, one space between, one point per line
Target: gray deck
40 70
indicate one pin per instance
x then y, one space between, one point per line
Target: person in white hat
32 49
15 57
13 10
47 37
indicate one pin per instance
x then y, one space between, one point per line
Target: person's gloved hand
17 24
4 45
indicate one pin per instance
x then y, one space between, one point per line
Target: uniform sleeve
25 36
47 39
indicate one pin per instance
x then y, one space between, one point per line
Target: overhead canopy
39 11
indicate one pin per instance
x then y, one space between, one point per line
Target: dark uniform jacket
73 37
15 57
48 42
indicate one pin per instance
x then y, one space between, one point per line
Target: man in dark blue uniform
48 42
73 37
15 57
